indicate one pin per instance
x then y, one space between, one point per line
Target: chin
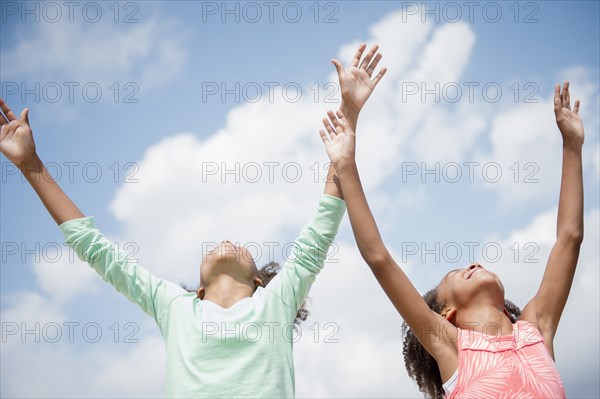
488 281
223 257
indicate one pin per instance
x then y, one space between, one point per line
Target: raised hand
356 83
16 137
341 143
569 122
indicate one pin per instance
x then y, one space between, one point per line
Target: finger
3 120
3 132
334 120
24 119
338 67
557 100
377 78
9 114
358 54
566 97
10 131
329 128
341 118
323 136
373 65
576 109
558 108
365 63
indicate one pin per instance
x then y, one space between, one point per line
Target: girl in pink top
463 335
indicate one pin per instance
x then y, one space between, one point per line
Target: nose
474 265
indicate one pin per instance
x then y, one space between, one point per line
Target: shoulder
528 333
174 290
168 292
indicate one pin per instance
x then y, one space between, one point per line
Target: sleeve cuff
71 226
329 214
333 203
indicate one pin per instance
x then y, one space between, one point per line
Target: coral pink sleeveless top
508 366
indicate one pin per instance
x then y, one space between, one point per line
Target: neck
485 319
226 292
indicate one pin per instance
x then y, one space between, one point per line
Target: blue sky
176 49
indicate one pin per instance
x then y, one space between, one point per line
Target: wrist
31 164
573 145
344 166
349 110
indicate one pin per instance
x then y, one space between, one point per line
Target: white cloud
149 53
444 137
191 212
62 279
525 137
27 309
64 369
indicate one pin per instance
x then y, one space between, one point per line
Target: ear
449 313
200 293
258 282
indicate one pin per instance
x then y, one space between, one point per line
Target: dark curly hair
420 365
266 274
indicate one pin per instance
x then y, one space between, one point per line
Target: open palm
569 122
356 83
341 143
16 137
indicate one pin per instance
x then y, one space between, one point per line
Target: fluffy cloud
149 53
66 370
525 137
195 200
64 278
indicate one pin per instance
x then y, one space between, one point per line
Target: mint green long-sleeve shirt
213 352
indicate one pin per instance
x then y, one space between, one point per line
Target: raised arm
17 144
308 254
357 83
356 86
311 246
432 330
151 293
546 307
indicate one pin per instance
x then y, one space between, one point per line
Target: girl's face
461 288
227 258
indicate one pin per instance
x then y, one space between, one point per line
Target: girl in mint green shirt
243 350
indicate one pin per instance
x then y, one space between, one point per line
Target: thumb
338 66
24 119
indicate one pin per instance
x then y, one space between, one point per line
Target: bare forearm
363 224
60 207
333 187
351 115
570 205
